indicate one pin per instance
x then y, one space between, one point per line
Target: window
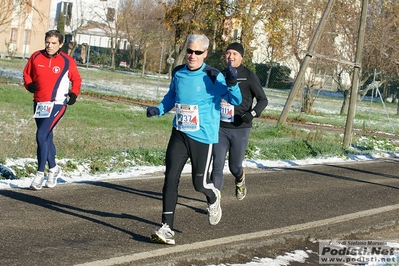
28 6
66 9
111 14
13 36
27 37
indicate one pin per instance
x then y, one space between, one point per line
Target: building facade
89 22
25 33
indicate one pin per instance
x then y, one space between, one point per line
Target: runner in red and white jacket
53 77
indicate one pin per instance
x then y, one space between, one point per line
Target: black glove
231 75
72 98
32 87
247 117
151 111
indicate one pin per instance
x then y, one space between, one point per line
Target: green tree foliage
61 23
184 17
279 75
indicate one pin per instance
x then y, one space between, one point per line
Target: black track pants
180 148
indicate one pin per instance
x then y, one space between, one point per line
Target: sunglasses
189 51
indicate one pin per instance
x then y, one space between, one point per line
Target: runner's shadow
79 213
351 179
146 193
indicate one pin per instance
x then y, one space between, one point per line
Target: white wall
82 13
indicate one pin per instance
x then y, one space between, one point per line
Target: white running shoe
214 210
53 174
163 235
37 181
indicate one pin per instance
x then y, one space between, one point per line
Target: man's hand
32 87
72 98
247 117
151 111
231 75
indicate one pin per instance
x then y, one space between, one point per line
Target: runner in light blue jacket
204 88
195 92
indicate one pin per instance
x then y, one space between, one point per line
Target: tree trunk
180 55
307 100
269 72
131 56
394 96
345 103
385 93
112 53
144 62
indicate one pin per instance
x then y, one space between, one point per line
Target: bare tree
381 46
11 9
150 28
142 26
130 29
107 19
379 52
275 25
19 16
343 32
81 20
302 23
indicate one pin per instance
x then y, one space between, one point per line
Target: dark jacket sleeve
258 92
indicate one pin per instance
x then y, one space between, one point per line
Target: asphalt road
109 223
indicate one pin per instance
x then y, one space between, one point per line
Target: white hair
194 38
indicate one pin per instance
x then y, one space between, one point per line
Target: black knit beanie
237 47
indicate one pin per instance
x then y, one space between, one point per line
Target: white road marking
242 237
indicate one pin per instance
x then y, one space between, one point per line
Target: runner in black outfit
236 123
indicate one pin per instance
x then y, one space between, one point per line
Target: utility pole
355 78
298 81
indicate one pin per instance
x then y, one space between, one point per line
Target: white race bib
187 117
226 112
43 109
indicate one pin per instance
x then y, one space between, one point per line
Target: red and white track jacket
53 76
